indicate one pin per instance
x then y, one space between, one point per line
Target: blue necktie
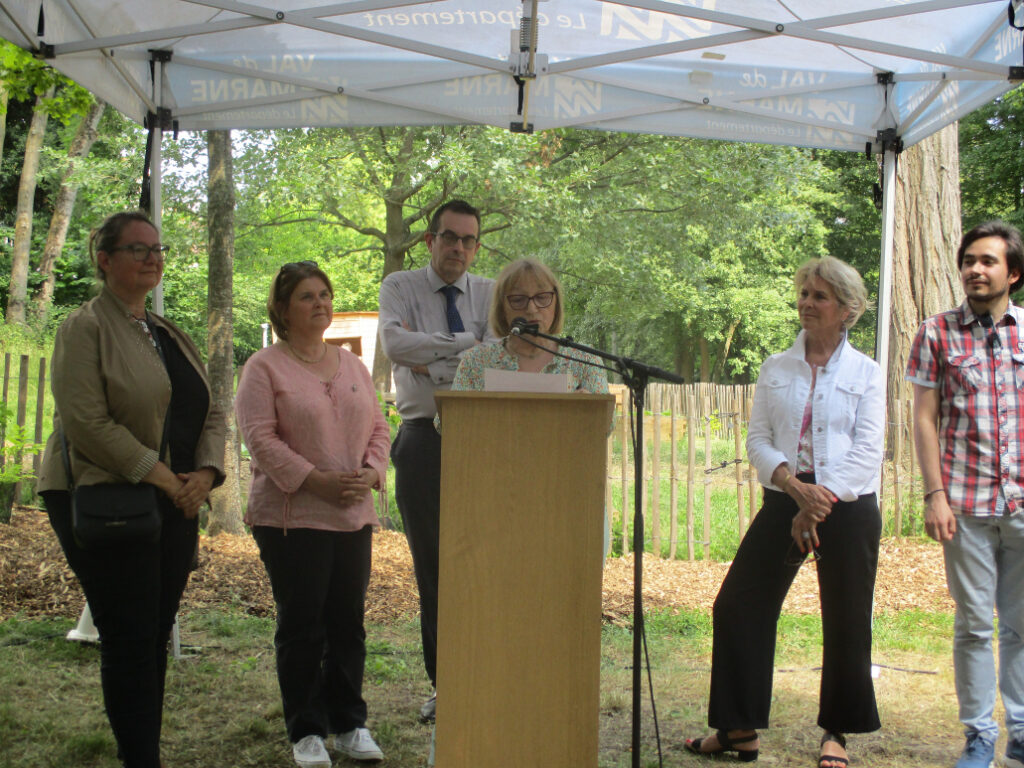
451 311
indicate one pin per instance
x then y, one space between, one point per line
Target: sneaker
1014 753
358 744
978 752
310 752
428 712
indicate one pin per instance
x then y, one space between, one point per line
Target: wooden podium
519 612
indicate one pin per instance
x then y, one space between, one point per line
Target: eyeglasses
141 251
299 265
540 300
796 558
449 238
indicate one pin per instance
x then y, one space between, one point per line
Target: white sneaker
310 752
358 744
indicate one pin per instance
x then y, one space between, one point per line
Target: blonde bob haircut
506 283
845 281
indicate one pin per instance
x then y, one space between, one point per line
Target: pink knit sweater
292 423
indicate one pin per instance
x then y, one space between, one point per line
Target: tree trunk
396 246
23 218
80 146
226 510
719 375
926 236
3 118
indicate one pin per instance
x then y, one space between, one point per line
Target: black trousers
416 454
133 593
319 580
748 605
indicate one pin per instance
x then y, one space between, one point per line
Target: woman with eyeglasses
119 375
319 445
529 290
815 437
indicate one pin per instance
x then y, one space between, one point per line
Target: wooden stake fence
715 414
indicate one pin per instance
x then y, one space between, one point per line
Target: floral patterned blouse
582 370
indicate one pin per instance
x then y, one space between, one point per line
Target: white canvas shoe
358 744
310 752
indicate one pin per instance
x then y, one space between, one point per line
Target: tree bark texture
927 233
226 509
23 217
82 142
3 118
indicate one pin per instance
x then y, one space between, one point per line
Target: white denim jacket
848 419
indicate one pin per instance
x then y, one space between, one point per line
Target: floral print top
582 370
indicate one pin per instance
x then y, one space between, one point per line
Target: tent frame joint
46 51
520 127
888 139
1016 74
161 55
161 119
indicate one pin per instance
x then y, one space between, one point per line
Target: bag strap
167 421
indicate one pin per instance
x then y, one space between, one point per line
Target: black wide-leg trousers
319 579
133 592
416 454
748 605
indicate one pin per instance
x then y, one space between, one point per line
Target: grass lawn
223 707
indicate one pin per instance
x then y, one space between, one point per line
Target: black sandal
828 761
725 744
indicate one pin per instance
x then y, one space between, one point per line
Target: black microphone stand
635 376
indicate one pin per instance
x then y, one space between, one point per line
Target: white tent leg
175 639
86 631
885 267
155 179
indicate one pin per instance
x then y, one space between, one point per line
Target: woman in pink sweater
319 443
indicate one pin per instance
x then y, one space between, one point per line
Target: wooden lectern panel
519 627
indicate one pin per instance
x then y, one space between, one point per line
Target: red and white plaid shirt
980 377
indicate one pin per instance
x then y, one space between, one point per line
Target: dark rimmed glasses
141 251
796 558
520 301
449 238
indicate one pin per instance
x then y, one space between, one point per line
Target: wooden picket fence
684 416
19 392
692 415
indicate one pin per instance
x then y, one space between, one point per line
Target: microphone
520 326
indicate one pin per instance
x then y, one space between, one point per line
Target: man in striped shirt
967 367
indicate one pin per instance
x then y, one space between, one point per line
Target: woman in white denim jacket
815 437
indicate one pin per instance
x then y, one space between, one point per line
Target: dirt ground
36 581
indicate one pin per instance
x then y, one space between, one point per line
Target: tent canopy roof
836 74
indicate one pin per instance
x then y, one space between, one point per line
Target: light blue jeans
985 570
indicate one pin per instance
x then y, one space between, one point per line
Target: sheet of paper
516 381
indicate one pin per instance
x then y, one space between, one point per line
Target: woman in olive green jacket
113 391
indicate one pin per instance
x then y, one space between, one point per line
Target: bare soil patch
36 581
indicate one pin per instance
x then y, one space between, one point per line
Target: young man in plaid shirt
967 367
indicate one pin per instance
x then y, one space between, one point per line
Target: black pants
319 579
133 593
416 454
747 608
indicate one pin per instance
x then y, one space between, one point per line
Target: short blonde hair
845 281
508 279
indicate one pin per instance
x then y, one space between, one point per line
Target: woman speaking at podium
528 290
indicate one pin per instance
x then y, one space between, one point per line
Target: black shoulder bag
116 514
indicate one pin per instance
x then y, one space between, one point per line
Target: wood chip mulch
36 581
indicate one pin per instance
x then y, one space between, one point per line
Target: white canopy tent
860 75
